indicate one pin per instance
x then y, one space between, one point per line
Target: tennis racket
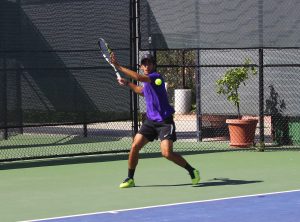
106 51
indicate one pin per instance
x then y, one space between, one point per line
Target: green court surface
53 188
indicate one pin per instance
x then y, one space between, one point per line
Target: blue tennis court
275 207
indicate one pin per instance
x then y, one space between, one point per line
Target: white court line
164 205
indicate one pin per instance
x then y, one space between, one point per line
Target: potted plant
241 130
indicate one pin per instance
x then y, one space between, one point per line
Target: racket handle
118 75
116 71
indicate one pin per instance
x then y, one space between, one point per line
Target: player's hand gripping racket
106 51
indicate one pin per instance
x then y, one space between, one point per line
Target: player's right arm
130 73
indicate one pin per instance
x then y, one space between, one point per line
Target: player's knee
167 154
135 146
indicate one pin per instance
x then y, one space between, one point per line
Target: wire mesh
201 114
58 98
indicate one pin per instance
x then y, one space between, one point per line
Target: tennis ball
158 82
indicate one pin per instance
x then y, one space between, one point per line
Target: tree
230 83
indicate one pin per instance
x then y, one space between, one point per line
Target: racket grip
118 75
116 71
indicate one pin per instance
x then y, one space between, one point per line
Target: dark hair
149 57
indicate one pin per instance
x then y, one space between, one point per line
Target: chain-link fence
55 88
58 98
201 113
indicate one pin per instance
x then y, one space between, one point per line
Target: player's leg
138 142
166 147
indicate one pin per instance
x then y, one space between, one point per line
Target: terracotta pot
241 132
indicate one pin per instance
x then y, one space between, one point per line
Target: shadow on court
165 185
226 181
212 182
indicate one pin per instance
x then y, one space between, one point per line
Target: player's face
147 66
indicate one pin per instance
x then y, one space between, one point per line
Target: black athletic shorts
164 130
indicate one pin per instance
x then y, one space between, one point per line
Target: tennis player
159 122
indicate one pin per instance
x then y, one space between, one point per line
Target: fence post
198 97
85 131
134 35
261 101
4 98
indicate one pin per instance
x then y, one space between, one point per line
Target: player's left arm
135 88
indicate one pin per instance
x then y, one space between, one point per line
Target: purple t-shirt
157 103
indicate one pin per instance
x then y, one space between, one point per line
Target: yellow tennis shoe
196 178
128 182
